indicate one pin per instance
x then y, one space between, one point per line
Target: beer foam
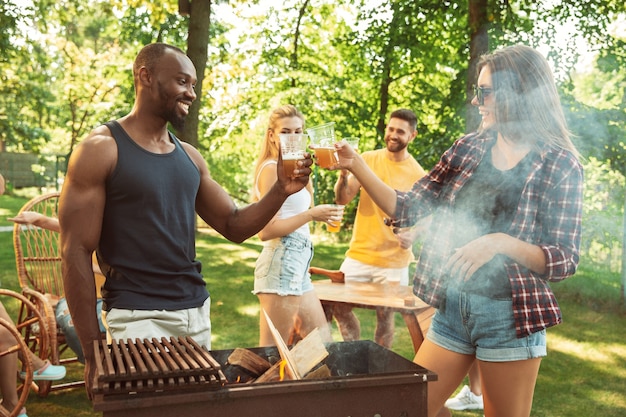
292 155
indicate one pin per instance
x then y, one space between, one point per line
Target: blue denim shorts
473 324
283 266
65 323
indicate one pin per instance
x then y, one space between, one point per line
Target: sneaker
22 413
47 372
465 400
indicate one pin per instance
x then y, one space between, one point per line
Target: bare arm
81 208
346 187
383 195
282 227
469 258
37 219
236 224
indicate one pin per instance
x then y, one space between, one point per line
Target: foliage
603 214
351 62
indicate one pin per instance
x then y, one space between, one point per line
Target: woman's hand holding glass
331 214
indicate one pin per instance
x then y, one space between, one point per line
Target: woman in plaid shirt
506 204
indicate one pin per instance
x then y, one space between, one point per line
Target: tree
197 45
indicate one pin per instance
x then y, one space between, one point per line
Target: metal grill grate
127 367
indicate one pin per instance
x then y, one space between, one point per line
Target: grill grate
127 367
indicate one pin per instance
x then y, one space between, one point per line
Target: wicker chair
38 261
21 348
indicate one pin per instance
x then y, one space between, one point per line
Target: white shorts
124 324
355 271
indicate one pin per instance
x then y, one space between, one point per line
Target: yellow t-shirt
373 243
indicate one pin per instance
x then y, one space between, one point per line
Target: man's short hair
406 115
150 55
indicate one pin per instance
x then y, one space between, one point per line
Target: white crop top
294 204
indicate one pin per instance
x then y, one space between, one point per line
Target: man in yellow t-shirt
376 253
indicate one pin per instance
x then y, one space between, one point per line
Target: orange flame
281 369
295 336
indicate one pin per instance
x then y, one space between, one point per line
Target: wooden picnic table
398 298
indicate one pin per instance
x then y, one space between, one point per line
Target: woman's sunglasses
481 93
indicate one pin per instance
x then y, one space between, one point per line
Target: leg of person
470 397
450 367
509 387
282 310
347 322
312 316
65 323
8 368
43 370
474 380
391 278
385 327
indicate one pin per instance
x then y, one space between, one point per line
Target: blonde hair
528 107
269 149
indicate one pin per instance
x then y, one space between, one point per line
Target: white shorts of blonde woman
356 272
195 322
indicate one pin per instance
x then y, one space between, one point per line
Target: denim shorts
283 266
65 323
473 324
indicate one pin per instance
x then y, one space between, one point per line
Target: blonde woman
281 278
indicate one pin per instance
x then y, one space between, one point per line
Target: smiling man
131 193
376 253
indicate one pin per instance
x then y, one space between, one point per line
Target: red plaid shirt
548 215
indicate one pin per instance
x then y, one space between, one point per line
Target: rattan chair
38 261
21 348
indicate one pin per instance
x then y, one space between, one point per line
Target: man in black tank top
131 194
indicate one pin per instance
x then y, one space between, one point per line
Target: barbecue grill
177 377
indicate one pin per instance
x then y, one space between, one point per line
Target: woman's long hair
269 148
528 107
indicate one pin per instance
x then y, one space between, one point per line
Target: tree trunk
296 42
479 45
197 42
623 293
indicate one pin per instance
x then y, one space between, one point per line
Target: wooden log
271 375
309 352
319 373
249 360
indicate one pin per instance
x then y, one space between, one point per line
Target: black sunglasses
481 93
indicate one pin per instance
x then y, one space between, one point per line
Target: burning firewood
296 363
248 360
271 375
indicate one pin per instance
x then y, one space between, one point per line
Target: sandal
47 372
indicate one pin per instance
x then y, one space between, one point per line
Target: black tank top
147 244
487 204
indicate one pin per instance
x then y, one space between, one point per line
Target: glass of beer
323 144
334 227
353 142
292 148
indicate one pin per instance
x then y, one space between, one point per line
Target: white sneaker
465 400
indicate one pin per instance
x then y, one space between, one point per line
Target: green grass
584 373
